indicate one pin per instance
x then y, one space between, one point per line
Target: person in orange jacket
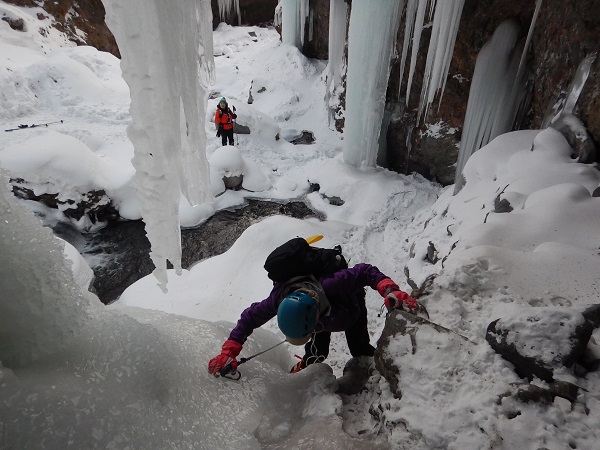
224 121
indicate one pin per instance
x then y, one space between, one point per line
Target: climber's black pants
357 337
227 135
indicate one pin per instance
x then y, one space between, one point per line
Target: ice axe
425 320
237 138
227 372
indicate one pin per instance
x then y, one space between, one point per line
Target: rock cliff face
431 147
88 16
316 42
563 36
85 15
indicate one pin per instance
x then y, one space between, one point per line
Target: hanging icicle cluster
229 9
412 34
441 46
293 19
498 87
446 18
381 36
498 94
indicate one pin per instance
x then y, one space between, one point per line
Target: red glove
229 351
394 298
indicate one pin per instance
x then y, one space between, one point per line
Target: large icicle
293 18
338 13
409 23
229 9
498 97
567 105
371 38
536 12
494 95
167 56
441 46
413 28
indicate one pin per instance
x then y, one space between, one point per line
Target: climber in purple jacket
309 310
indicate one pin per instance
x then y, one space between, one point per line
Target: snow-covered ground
77 374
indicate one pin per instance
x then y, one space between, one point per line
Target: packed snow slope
77 374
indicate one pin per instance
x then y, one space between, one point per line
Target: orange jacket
224 118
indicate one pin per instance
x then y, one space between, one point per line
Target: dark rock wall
253 12
316 30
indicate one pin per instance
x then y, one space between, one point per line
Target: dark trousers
227 135
357 337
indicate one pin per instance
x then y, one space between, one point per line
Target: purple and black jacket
344 290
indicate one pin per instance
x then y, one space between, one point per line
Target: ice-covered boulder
230 170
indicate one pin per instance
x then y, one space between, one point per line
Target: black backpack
296 257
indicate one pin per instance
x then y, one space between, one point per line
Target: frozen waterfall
230 9
338 13
446 19
498 97
167 59
494 95
293 18
441 46
413 26
368 66
371 39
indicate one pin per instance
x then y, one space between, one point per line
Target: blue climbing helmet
297 316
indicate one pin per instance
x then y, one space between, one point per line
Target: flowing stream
119 253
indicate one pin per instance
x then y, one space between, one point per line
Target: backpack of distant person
297 257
